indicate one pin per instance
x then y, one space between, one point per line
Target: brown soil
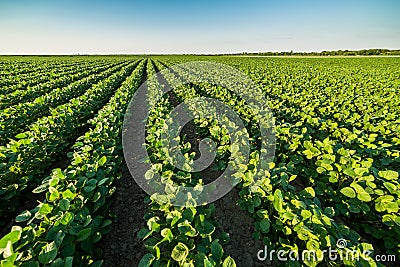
121 246
240 226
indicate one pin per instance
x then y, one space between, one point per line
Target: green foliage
335 173
63 229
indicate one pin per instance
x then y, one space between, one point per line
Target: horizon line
203 54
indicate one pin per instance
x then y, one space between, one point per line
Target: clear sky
71 27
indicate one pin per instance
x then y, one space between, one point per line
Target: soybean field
68 198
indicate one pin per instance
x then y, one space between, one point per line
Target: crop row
22 81
285 219
25 159
18 117
176 235
343 173
32 92
22 76
63 229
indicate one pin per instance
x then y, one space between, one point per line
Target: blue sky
70 27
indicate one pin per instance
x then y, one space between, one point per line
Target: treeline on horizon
364 52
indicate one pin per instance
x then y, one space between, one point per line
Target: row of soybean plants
17 118
347 171
24 160
356 184
20 65
64 228
286 218
17 95
15 67
353 170
22 73
14 82
176 236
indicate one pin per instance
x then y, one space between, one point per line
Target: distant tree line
364 52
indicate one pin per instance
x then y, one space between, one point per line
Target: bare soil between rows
121 246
